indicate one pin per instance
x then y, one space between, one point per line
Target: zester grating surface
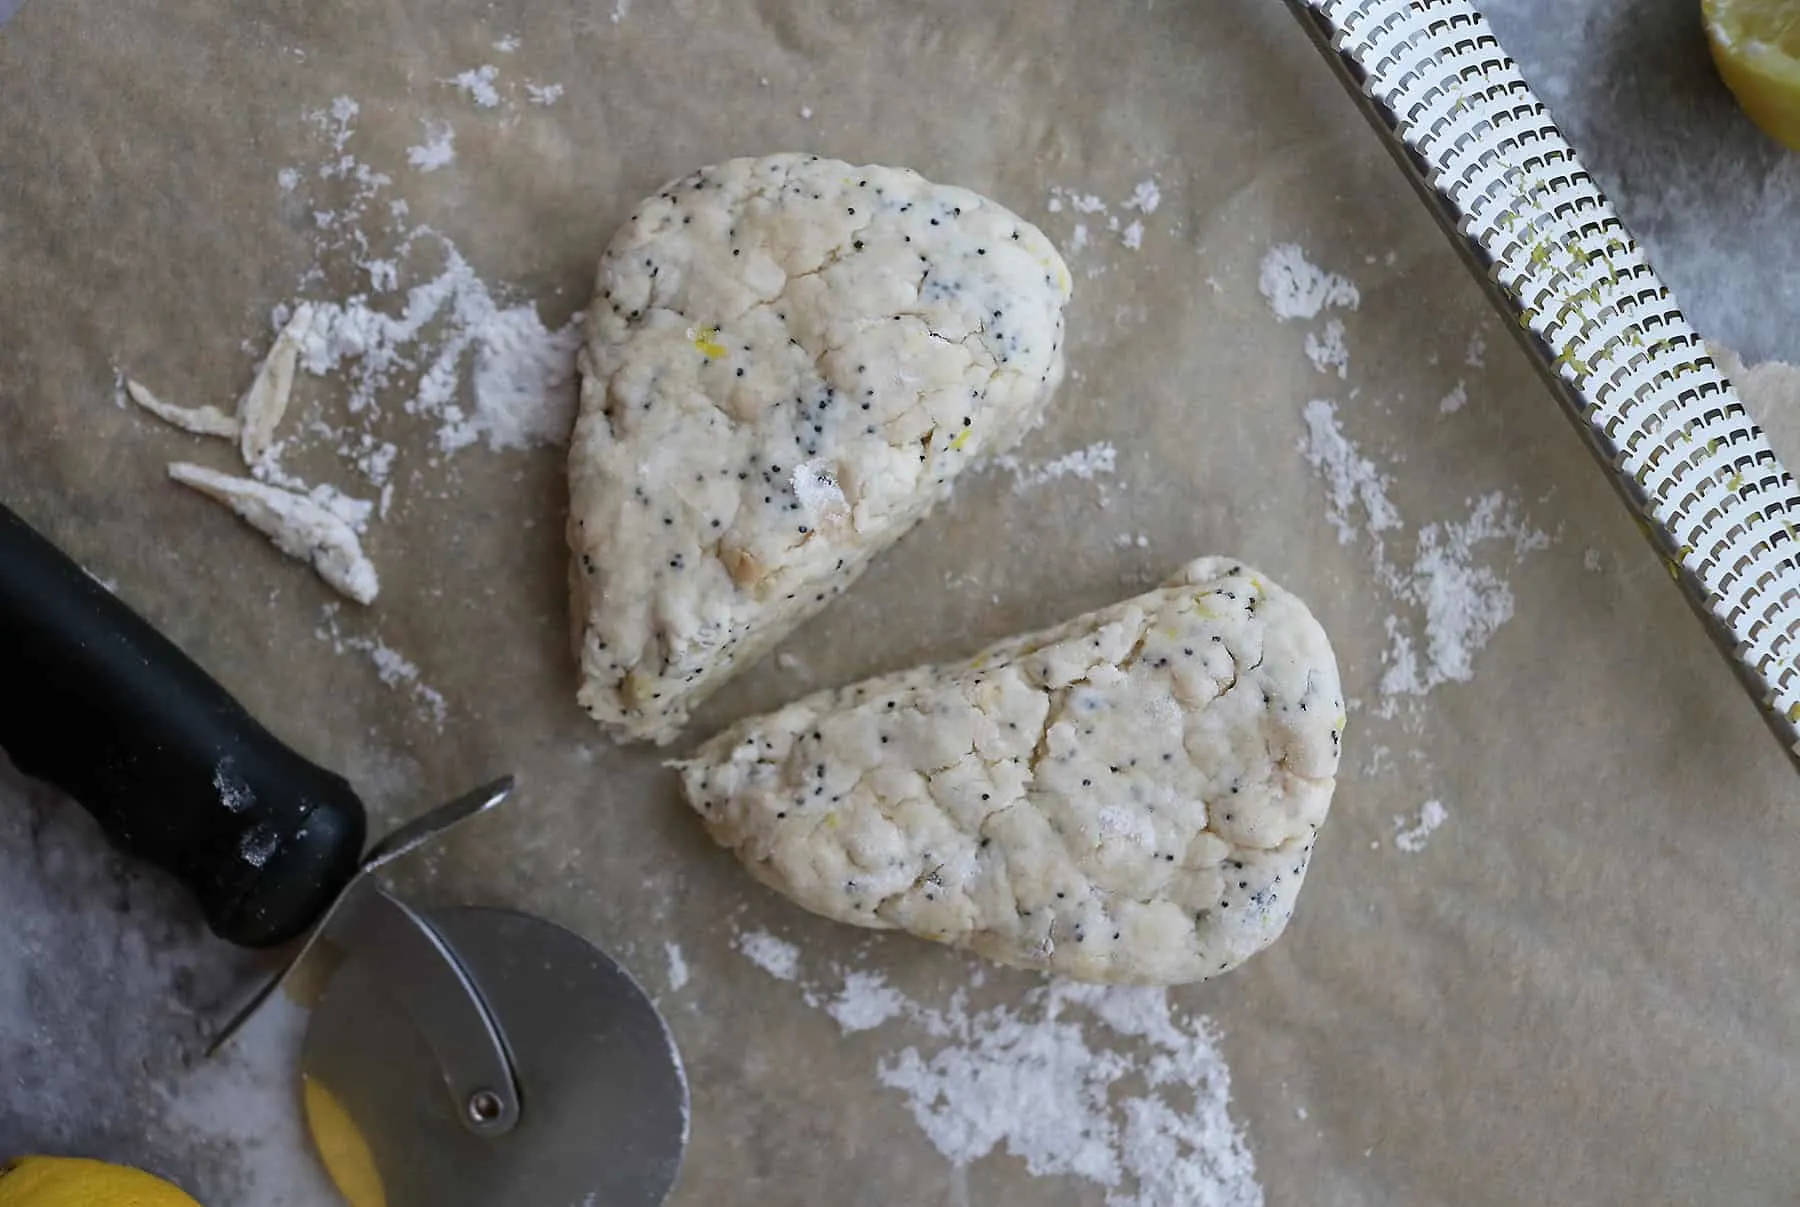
1634 376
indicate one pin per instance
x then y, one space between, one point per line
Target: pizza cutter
466 1056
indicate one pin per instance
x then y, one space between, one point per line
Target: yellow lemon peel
706 340
342 1149
80 1182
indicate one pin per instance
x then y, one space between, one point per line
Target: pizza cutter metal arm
97 702
422 972
1632 374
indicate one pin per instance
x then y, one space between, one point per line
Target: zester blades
1633 376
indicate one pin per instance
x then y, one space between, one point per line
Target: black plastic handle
97 702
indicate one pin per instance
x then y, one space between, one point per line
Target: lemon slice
341 1147
76 1182
1756 45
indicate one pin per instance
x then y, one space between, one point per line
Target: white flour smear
1110 1085
427 332
523 373
1100 459
777 957
678 967
1464 602
392 667
1451 596
478 85
1327 351
1411 834
437 151
1352 483
1475 355
1296 288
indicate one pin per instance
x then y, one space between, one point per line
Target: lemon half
78 1182
1756 45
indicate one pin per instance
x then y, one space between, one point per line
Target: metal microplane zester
1634 377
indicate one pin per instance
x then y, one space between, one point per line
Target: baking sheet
1578 987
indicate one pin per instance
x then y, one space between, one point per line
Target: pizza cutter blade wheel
551 1081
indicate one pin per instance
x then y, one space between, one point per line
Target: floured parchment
1544 952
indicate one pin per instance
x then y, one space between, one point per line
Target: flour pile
1110 1085
421 342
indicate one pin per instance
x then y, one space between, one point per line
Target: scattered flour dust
1452 597
1110 1085
478 85
1296 288
1411 834
1100 459
678 967
437 151
524 373
393 668
428 333
865 1002
1475 355
1099 214
1464 602
1351 480
777 957
1326 349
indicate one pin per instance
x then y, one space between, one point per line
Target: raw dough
789 361
1131 797
301 526
201 421
261 408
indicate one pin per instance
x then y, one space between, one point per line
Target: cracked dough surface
1131 797
788 362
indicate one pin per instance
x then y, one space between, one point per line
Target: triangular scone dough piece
789 361
1131 797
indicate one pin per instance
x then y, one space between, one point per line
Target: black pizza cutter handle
97 702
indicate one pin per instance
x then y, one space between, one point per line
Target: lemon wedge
1756 46
78 1182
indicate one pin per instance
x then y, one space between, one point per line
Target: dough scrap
789 361
263 405
201 421
1131 797
300 526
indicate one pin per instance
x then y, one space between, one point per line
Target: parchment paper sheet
1585 989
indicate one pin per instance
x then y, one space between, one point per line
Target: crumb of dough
1131 797
788 363
261 409
201 421
301 527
